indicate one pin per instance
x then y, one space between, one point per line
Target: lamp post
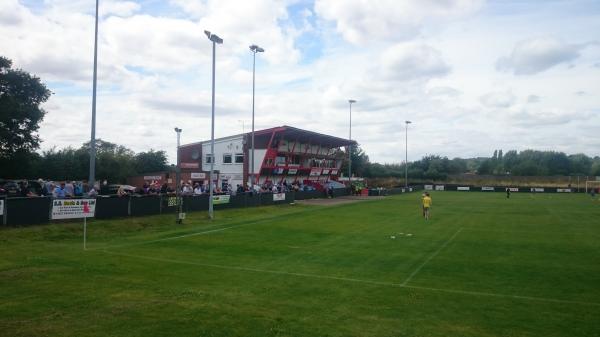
92 176
350 101
254 49
406 155
178 177
214 39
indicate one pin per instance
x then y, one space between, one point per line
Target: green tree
360 162
21 95
151 161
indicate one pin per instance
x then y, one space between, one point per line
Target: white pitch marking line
430 257
347 279
174 237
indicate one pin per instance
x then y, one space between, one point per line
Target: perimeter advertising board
463 188
1 206
428 187
439 187
488 188
220 199
278 196
73 209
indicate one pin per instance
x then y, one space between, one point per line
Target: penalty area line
354 280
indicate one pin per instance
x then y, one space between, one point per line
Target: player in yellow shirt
426 205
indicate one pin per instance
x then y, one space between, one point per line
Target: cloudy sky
472 76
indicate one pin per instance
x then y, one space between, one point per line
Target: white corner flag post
84 232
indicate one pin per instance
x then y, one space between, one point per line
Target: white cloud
361 21
533 99
498 99
409 61
536 55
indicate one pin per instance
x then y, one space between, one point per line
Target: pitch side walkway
338 200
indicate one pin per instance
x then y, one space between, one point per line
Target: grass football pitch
483 265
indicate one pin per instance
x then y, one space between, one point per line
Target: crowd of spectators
76 189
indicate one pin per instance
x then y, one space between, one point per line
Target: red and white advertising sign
189 165
315 172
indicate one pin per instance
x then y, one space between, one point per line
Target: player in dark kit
507 193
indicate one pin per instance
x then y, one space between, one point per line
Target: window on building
239 158
208 159
227 158
279 160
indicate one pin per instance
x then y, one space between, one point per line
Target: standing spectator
197 190
59 191
78 189
69 189
104 188
92 192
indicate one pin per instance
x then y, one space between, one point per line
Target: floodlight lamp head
256 49
213 37
178 130
351 101
407 122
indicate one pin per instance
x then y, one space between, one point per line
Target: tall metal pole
215 39
253 93
92 176
178 177
255 49
350 101
212 138
406 155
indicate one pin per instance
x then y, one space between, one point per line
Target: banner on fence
152 177
220 199
487 188
1 207
292 171
315 172
428 187
537 189
463 188
513 189
439 187
278 196
73 209
559 190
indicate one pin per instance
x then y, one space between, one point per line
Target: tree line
524 163
113 162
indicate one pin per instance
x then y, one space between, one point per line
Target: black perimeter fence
38 210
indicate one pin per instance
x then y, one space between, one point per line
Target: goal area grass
483 265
